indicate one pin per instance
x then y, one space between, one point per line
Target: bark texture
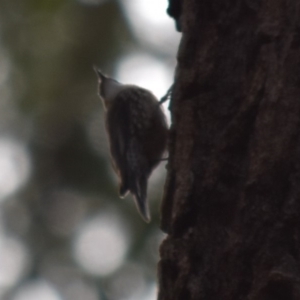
231 206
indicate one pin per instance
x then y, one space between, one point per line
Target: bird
137 132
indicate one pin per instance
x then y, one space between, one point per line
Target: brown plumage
137 132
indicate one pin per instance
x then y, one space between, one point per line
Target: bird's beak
100 75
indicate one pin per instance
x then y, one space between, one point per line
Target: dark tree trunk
232 200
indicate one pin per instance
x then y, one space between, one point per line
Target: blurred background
64 232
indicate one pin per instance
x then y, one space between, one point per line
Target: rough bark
231 206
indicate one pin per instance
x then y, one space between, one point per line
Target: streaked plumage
137 132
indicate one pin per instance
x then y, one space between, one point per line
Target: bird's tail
138 188
139 192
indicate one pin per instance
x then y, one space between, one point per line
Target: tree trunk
231 206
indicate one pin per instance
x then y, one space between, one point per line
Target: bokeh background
64 232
